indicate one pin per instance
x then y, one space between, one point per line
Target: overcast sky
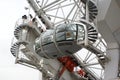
10 11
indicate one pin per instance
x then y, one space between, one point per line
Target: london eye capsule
61 41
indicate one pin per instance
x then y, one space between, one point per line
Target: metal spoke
70 12
96 68
42 3
76 2
52 8
56 14
52 4
91 59
62 11
45 3
86 65
94 72
75 14
87 56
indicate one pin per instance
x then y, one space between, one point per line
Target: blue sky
10 11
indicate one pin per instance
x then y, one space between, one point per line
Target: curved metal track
19 29
15 47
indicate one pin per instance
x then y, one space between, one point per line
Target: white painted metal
108 26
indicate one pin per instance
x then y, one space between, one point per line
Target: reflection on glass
69 32
60 36
47 37
63 32
37 44
81 32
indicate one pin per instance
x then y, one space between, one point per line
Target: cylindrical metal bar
87 11
45 20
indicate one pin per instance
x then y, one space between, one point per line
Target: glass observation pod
60 41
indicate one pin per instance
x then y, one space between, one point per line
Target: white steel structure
70 39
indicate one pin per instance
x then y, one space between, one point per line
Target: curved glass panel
63 32
69 32
81 32
61 28
47 37
37 44
60 32
60 36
